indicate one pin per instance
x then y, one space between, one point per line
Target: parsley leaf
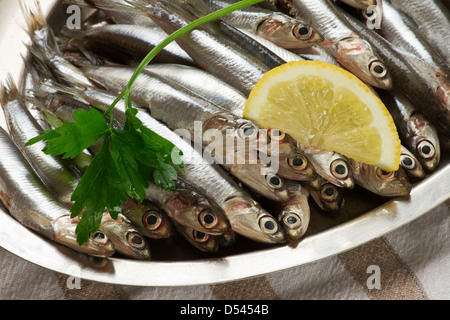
73 137
99 188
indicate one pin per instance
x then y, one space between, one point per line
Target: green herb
128 158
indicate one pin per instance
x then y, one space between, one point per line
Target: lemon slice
324 106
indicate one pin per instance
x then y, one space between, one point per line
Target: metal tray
175 263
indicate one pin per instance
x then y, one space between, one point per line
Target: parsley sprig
128 158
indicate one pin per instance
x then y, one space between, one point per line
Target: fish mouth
357 56
98 244
249 220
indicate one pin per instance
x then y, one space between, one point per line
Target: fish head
384 183
150 220
237 134
332 166
287 32
98 244
411 165
296 168
295 215
329 197
203 241
357 56
250 220
424 141
127 240
189 208
260 178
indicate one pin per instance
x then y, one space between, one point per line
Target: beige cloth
413 262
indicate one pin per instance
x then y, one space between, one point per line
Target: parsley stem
208 18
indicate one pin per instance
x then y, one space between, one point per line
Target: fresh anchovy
209 46
22 127
205 85
122 16
433 20
162 99
200 240
318 53
332 166
245 215
149 219
45 48
349 48
417 132
411 165
276 27
127 240
388 184
33 205
294 215
327 196
189 208
412 77
361 4
129 44
402 32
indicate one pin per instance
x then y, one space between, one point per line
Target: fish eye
200 236
329 192
276 134
151 220
274 181
100 237
298 163
292 220
135 240
339 169
426 149
385 174
268 225
247 131
302 32
377 69
407 162
207 219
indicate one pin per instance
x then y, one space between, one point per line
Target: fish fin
34 17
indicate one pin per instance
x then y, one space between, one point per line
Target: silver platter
365 216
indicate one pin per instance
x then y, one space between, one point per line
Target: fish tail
34 17
8 90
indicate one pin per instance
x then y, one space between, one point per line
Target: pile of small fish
205 77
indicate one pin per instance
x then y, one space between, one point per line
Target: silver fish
33 205
123 16
417 132
433 20
44 46
402 32
281 29
127 240
412 77
204 84
160 98
327 196
388 184
411 165
209 46
245 215
149 219
200 240
129 44
22 127
330 165
294 215
346 44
